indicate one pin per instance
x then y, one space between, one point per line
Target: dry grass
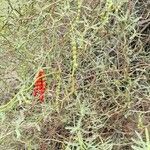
96 55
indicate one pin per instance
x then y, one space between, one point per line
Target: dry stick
33 104
9 3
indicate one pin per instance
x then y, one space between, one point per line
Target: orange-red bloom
40 86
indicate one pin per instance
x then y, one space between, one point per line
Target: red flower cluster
40 86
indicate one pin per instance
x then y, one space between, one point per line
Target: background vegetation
96 56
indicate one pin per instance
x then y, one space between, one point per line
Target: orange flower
40 86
